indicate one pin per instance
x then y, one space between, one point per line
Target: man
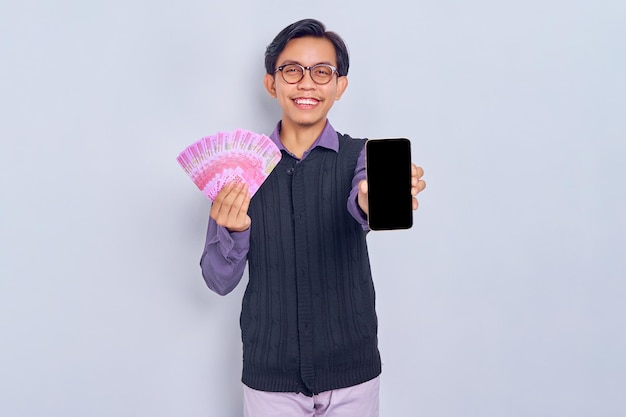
308 319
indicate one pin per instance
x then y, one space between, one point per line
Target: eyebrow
288 62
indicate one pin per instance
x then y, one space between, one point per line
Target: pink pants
357 401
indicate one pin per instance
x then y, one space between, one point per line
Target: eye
292 69
323 70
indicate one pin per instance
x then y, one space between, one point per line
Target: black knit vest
308 319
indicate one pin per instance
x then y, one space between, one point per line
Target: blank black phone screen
388 167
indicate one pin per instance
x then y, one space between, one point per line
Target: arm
224 258
228 239
354 207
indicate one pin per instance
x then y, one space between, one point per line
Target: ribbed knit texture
308 318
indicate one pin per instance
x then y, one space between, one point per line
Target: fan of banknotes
240 155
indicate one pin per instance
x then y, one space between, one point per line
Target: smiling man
308 319
305 98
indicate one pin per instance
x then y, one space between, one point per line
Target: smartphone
388 170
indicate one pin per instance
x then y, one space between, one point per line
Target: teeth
306 101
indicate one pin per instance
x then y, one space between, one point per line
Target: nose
307 80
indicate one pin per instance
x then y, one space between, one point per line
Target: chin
306 124
309 122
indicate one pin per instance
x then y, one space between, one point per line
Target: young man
308 320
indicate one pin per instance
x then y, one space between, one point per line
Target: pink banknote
237 156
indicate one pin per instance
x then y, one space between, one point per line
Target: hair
300 29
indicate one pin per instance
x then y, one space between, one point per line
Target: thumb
363 186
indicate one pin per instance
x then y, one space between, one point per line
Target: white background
506 298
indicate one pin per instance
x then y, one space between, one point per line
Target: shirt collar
327 139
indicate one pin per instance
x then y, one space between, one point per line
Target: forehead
308 51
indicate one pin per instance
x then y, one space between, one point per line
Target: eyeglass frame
333 69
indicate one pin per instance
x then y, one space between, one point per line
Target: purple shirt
224 258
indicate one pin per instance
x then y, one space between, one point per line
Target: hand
417 186
230 207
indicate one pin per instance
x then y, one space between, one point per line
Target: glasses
294 73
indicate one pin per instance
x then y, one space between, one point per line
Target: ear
270 84
342 84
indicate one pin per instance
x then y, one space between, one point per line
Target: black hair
300 29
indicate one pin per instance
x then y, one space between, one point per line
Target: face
306 104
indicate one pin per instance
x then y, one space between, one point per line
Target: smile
306 101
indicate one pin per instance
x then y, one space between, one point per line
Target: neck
298 139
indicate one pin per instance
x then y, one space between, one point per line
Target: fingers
417 183
417 171
417 186
243 219
236 198
230 207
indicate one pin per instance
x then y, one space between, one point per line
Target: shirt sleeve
224 258
353 205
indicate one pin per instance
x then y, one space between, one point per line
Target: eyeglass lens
321 74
